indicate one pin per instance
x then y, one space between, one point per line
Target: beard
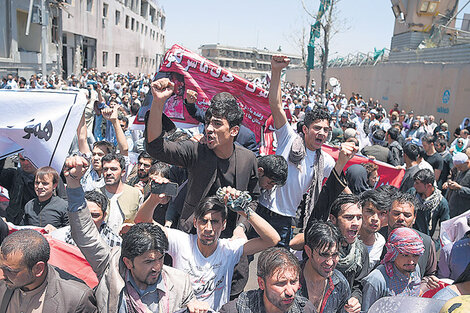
142 175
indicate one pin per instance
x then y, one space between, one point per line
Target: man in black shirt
432 156
46 209
441 147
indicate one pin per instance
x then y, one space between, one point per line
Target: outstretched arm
145 213
190 103
162 89
84 231
278 62
83 146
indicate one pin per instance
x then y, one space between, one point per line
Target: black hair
210 204
274 259
421 152
441 142
143 237
115 156
178 136
275 168
322 235
32 245
315 115
411 151
145 155
123 118
405 198
135 108
224 105
300 125
429 138
393 132
108 147
425 175
374 197
343 199
379 134
397 124
161 168
387 192
98 198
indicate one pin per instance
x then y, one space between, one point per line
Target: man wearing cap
399 273
459 189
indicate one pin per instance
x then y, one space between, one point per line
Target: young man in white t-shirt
206 258
279 206
374 217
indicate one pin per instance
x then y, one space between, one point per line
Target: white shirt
116 217
211 277
375 251
285 200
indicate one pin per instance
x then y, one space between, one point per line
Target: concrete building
110 35
245 62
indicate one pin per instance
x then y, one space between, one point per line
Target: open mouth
210 139
328 269
351 234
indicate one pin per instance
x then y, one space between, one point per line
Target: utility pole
44 20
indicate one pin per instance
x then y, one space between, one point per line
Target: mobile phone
169 189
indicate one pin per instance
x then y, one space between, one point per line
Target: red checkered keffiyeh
402 240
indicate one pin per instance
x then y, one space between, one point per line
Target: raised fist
162 89
278 62
191 96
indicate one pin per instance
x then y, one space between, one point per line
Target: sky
363 24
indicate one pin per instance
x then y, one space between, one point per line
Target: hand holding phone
169 189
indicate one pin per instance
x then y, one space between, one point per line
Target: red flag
189 70
388 174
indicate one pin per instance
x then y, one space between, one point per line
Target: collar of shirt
44 203
159 285
401 284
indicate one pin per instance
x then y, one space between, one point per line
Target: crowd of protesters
169 219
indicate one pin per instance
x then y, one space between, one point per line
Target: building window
117 17
55 30
136 61
144 8
132 23
137 26
117 60
146 30
105 9
105 58
127 21
89 5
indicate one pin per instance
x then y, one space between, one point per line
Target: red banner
388 174
189 70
